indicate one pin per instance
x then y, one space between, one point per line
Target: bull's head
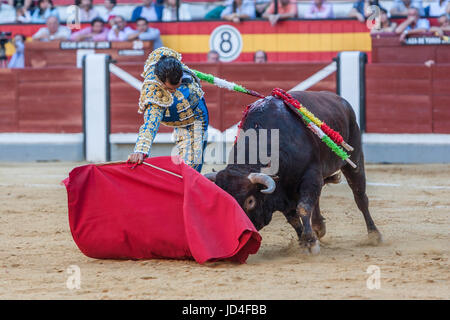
250 190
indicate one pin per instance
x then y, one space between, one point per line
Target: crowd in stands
109 25
38 11
115 30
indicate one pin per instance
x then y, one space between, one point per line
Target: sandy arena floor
409 203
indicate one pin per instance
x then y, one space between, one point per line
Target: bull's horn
263 179
211 176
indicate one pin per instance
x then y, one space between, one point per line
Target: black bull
305 165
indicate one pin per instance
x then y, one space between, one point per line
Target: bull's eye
250 203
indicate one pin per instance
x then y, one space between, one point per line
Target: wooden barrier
407 98
9 112
387 48
401 98
41 100
225 107
440 99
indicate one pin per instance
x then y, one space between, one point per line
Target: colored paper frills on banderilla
335 136
315 125
221 83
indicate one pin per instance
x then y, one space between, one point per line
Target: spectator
150 11
44 10
53 31
87 11
170 11
236 10
386 25
412 25
286 9
18 3
96 32
145 33
7 13
444 26
111 10
361 9
400 7
120 31
260 57
215 13
319 10
260 7
18 58
213 56
111 21
438 8
28 5
22 15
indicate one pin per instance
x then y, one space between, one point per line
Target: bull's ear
275 177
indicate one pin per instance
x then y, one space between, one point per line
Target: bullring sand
409 203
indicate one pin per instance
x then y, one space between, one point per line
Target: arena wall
41 109
407 98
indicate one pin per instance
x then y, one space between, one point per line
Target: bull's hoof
311 244
375 238
314 249
320 229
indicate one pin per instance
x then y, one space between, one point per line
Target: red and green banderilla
328 136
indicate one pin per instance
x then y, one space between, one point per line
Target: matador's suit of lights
185 110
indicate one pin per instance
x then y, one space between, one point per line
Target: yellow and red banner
293 40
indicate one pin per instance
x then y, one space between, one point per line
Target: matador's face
172 87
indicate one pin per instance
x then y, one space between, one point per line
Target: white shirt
26 18
123 35
88 16
63 33
114 12
170 14
437 10
149 13
7 14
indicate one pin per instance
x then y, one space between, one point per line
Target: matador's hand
136 157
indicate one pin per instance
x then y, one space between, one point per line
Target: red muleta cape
116 212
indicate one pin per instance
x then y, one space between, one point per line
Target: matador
171 94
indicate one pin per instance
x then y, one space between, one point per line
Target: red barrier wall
50 99
225 107
401 98
407 98
41 100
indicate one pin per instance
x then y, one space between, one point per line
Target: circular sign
227 41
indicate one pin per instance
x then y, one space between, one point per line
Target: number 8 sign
227 41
